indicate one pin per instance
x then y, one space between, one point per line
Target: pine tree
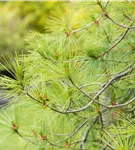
75 89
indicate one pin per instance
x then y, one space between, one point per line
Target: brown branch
127 17
112 80
101 90
117 42
61 112
122 105
123 35
120 25
19 134
107 16
28 94
88 25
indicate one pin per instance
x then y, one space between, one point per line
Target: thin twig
85 136
76 130
17 132
28 94
101 90
88 25
120 25
118 41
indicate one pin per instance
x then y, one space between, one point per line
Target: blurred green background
17 20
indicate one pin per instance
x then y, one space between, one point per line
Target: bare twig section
120 25
127 17
118 61
70 102
28 94
67 110
123 26
106 4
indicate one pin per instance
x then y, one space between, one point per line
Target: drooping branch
120 25
107 16
112 80
101 90
89 24
28 94
27 140
118 41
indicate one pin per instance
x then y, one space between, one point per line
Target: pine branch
86 133
107 16
117 42
88 25
101 90
76 130
28 94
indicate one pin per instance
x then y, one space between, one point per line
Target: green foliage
17 19
76 84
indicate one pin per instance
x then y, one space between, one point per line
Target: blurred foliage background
17 19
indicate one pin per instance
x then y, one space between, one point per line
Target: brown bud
43 138
67 145
96 22
67 34
104 13
44 105
113 103
14 127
